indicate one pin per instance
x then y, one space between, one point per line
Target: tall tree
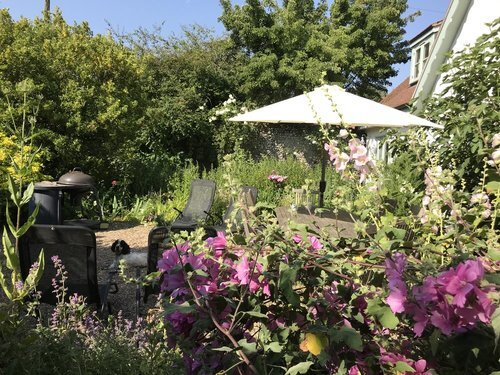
294 45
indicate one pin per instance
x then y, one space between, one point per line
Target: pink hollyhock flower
496 140
353 145
341 162
332 150
495 156
426 200
313 240
343 133
180 322
243 271
482 199
418 366
276 178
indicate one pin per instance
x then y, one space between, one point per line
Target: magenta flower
453 301
218 244
394 268
419 367
314 243
248 273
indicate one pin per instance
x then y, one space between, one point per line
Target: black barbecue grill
50 197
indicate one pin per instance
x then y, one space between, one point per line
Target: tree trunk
46 11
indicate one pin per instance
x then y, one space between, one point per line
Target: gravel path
136 236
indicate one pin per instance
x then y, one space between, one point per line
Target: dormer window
419 57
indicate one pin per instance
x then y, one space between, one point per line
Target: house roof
426 30
400 96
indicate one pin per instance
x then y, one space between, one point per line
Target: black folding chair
201 198
156 238
76 248
234 214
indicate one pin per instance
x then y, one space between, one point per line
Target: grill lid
77 178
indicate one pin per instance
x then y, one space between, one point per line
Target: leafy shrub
468 107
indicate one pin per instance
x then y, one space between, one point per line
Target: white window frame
418 60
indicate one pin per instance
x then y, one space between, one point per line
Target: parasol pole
322 182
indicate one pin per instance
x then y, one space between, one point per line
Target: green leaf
388 319
434 341
200 272
274 347
352 338
31 220
28 193
403 367
495 323
300 368
4 285
256 314
11 225
493 278
33 278
223 349
494 253
382 313
14 193
12 259
492 187
184 308
248 347
286 283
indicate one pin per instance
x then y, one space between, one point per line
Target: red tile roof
400 96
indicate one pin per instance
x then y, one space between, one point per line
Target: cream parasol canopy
332 105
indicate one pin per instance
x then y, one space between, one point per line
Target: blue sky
128 15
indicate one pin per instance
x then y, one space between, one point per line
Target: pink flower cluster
438 193
358 155
277 179
452 301
210 274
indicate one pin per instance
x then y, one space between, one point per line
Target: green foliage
292 47
469 107
81 345
92 89
189 76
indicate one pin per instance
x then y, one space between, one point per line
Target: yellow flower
313 343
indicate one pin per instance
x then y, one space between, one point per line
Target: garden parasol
331 105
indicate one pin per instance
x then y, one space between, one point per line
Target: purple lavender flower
34 267
18 285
